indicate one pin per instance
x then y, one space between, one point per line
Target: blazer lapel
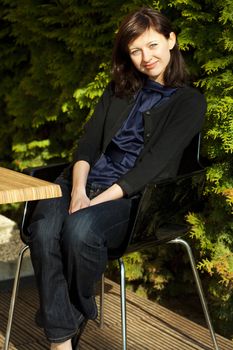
118 112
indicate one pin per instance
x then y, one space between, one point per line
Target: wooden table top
18 187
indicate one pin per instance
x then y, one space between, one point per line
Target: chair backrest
190 160
48 173
162 208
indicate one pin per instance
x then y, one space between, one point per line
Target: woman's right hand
79 200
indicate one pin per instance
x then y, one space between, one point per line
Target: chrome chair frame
123 296
14 295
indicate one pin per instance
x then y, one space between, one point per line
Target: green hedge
54 66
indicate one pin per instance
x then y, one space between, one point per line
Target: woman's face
150 53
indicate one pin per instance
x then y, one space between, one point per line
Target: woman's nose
146 56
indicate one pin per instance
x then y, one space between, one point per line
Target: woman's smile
150 65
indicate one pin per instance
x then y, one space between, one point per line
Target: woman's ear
172 40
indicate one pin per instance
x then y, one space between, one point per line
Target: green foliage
88 96
55 59
52 50
211 66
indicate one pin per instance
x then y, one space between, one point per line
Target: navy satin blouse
122 152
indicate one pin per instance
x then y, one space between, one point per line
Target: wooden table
18 187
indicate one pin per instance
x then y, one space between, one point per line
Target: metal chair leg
123 305
199 288
13 297
101 324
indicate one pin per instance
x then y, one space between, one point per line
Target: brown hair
126 77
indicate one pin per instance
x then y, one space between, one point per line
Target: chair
159 219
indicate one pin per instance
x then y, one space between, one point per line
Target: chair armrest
163 208
177 178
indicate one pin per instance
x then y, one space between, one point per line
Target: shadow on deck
150 326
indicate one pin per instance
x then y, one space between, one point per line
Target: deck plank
150 326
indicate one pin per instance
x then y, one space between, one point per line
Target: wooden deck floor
150 326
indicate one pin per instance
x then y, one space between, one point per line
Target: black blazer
168 129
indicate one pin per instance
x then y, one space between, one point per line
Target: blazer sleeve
89 145
162 159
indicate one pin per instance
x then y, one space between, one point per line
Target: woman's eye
152 46
135 53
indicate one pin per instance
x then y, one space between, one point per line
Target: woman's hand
79 200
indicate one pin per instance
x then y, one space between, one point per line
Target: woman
140 127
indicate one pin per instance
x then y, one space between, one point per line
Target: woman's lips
150 65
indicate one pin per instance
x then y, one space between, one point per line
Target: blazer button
147 113
148 134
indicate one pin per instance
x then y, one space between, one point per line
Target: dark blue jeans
69 255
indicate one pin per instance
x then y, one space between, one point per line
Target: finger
73 208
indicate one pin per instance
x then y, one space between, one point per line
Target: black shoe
75 339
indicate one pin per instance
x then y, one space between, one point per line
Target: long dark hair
127 79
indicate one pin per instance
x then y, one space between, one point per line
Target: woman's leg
59 318
86 236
